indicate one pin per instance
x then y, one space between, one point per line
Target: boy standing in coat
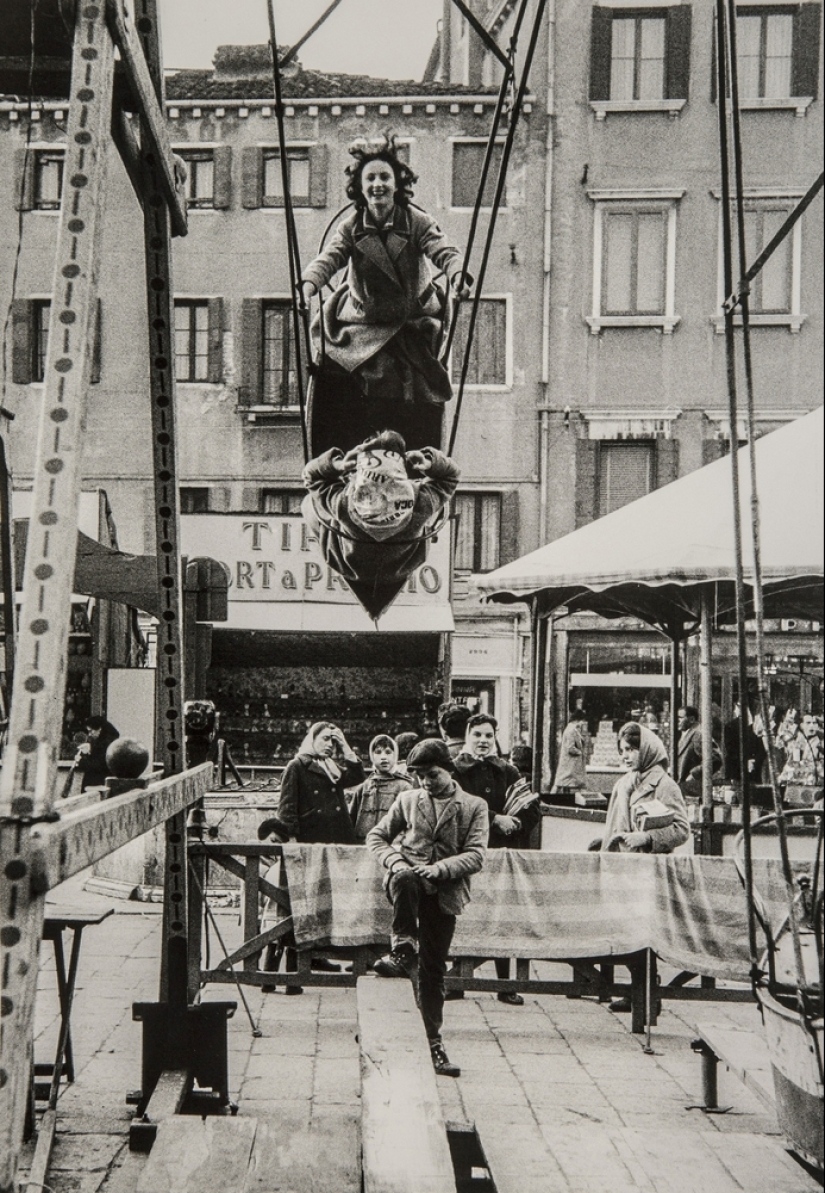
430 842
373 798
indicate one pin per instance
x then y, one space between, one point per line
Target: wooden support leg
28 783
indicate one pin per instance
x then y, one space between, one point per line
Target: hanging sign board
278 579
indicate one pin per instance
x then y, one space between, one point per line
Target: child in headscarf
312 804
373 509
647 812
373 798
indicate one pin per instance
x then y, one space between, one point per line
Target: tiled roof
244 72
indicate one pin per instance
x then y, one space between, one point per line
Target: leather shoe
324 965
511 998
453 995
620 1006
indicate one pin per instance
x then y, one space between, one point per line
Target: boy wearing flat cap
429 842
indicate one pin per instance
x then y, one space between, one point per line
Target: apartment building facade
632 390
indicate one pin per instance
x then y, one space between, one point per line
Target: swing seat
340 415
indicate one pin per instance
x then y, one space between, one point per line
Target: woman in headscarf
647 812
373 798
312 803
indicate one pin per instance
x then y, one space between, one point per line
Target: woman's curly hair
383 149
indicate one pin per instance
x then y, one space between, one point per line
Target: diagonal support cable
490 42
502 175
293 50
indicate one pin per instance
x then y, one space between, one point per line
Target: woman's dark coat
388 283
93 765
312 805
491 779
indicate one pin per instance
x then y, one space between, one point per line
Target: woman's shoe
510 997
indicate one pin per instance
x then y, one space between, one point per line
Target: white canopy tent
669 557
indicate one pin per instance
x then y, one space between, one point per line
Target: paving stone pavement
554 1076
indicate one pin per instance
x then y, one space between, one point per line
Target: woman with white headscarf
312 803
647 812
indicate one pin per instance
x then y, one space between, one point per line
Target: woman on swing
382 325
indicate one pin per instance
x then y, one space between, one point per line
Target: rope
730 359
300 315
502 174
758 599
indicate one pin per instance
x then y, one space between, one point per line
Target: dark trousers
417 916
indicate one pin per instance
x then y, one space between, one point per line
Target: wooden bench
403 1135
741 1051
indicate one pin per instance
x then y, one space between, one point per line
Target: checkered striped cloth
554 906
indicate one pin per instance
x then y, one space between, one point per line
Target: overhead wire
300 316
733 423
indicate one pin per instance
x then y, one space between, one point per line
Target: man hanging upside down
373 511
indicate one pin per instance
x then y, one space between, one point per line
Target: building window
279 382
298 172
30 340
775 292
200 176
777 55
48 178
478 533
626 472
764 53
637 57
468 160
634 263
191 340
488 364
640 58
281 501
194 501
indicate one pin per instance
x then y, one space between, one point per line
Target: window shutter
318 176
220 498
23 179
806 50
667 461
97 346
508 534
601 36
252 176
251 500
251 353
214 372
712 449
587 458
678 51
22 323
222 177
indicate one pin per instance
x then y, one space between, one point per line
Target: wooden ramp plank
745 1054
403 1137
195 1155
292 1155
761 1160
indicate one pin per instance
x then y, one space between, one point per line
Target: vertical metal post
539 625
706 706
30 765
7 568
160 310
675 700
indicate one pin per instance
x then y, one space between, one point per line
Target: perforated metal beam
29 765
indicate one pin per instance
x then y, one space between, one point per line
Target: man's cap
432 751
